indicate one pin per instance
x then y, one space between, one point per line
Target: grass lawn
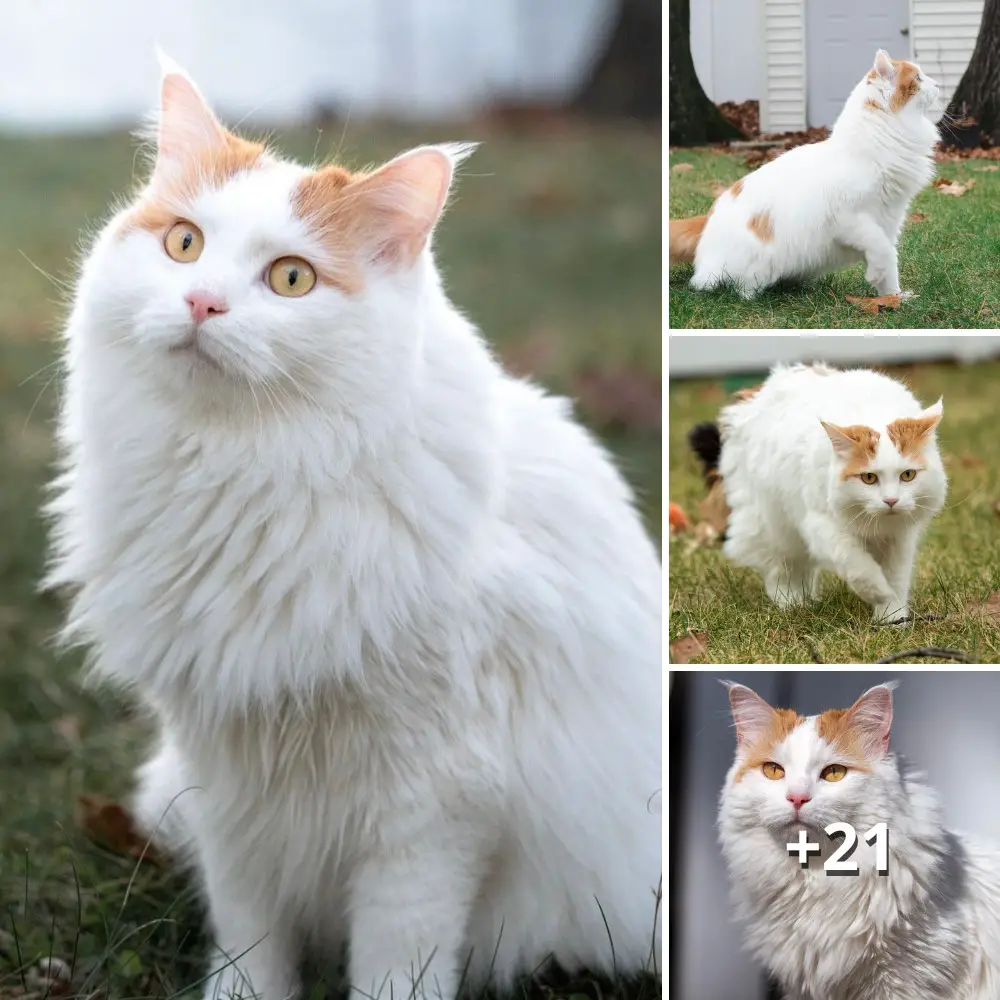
958 566
951 260
560 267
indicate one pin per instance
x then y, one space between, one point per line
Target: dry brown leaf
987 169
917 217
989 609
681 168
946 186
688 647
874 306
110 824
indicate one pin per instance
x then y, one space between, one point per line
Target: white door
841 40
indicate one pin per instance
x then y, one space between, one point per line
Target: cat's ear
402 201
751 714
186 126
848 441
932 415
883 66
870 717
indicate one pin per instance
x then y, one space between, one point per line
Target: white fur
791 513
393 609
930 929
832 203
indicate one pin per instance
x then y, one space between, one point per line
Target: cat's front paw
891 614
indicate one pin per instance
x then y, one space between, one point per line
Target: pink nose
891 501
797 800
205 304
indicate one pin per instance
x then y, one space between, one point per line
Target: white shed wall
783 97
726 45
944 34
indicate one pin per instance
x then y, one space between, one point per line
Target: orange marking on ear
762 226
784 721
907 86
209 169
864 442
909 434
834 726
323 202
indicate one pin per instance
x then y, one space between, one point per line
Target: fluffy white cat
930 928
393 609
836 470
824 206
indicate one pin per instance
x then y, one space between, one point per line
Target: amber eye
772 770
184 242
291 277
907 474
868 477
833 772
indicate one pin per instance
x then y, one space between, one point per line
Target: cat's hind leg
162 800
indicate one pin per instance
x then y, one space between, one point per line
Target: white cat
930 928
393 609
824 206
836 470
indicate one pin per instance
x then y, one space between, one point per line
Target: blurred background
944 723
718 612
551 245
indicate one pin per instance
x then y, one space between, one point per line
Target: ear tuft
751 714
871 718
884 66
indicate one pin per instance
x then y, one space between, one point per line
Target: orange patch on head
835 727
737 188
762 226
762 749
872 74
211 167
857 444
907 85
909 434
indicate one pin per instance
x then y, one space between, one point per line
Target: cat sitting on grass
824 206
928 930
393 609
837 470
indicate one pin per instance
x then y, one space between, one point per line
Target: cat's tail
706 443
684 237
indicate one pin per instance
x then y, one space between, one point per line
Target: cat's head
893 472
793 771
898 87
233 266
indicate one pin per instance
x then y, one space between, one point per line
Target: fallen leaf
677 518
917 217
109 823
688 647
989 609
953 187
874 306
681 168
987 169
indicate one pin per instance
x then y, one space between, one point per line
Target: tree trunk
627 81
978 93
694 119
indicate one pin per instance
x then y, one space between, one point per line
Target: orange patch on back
907 86
834 726
909 434
737 188
211 169
783 722
762 226
872 105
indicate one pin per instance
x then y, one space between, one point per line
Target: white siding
718 29
944 34
783 98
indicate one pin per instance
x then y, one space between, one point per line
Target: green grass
958 565
950 261
559 266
